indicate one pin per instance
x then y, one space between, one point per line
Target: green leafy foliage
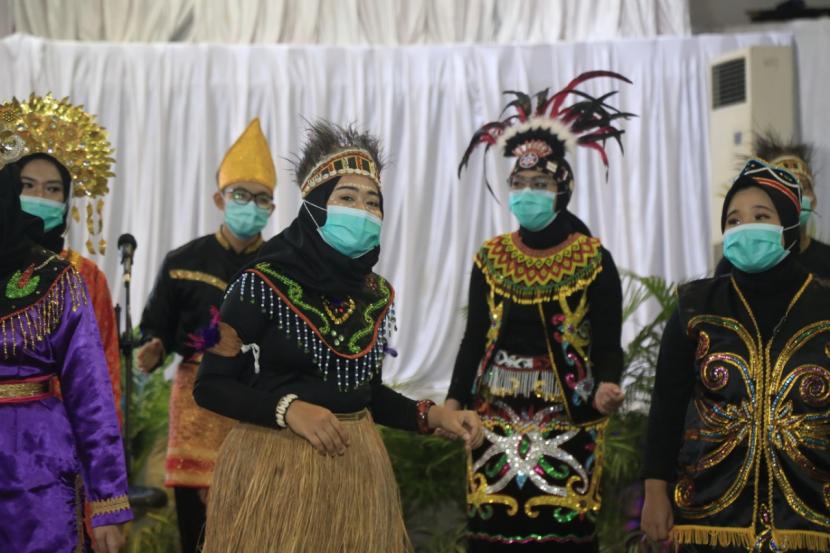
618 521
154 531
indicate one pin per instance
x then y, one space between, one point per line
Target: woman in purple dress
54 454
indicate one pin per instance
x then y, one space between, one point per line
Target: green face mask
245 220
535 209
806 211
50 211
755 247
352 232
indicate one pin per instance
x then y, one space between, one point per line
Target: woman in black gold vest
738 455
541 354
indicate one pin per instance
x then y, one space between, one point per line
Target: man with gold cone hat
188 289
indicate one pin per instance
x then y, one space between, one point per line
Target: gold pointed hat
249 160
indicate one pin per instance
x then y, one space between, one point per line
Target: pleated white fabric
350 21
172 110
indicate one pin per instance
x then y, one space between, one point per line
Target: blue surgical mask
245 220
352 232
754 247
806 211
535 209
50 211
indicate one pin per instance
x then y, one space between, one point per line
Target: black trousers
190 512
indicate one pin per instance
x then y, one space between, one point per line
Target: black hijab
53 239
16 227
300 252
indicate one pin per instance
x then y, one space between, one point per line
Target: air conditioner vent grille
729 83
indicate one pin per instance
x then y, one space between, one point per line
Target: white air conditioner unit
752 91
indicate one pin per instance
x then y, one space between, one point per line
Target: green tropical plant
626 431
153 531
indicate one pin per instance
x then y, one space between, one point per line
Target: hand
229 343
657 518
203 495
609 398
463 424
150 355
451 405
108 539
319 426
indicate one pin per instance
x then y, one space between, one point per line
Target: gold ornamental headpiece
353 161
69 134
795 165
249 160
46 125
12 146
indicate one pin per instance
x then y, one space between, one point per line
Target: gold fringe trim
713 535
35 323
111 505
802 539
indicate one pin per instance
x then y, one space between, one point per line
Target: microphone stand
141 497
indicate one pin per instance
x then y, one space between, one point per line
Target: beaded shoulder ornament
536 276
33 301
349 340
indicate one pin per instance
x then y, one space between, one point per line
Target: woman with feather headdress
541 355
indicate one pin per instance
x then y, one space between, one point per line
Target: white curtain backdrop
350 21
172 110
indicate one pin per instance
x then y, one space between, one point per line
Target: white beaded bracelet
282 407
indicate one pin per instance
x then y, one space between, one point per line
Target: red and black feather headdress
544 135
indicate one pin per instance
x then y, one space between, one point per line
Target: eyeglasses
536 182
243 197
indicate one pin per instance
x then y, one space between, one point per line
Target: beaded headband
354 161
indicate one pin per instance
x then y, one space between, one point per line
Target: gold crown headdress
72 136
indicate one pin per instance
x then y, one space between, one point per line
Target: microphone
127 246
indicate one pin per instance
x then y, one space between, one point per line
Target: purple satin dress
55 454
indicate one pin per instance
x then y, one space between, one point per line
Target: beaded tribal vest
555 282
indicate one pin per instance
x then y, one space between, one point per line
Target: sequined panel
535 465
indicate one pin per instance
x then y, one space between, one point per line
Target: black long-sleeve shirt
769 295
191 280
230 387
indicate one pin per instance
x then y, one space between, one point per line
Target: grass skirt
273 492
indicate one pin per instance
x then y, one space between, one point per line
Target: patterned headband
353 161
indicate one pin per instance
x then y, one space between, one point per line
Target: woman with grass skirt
303 334
541 357
738 450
